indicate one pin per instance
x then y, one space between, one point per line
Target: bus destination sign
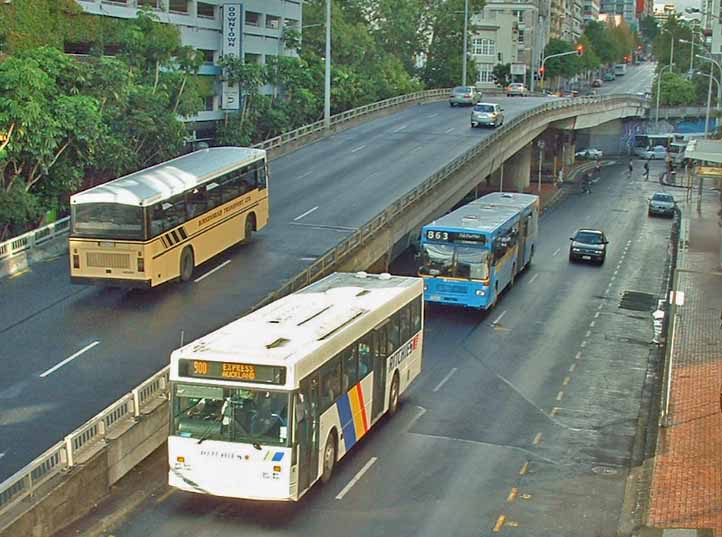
455 236
204 369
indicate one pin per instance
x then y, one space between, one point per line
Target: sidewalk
686 487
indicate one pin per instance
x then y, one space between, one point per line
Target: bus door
380 355
521 242
307 431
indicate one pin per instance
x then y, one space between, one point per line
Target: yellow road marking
499 523
524 469
20 273
163 497
560 395
526 496
513 494
567 380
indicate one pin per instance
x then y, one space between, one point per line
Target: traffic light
541 72
580 50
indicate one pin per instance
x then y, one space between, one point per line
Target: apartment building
251 29
590 10
662 12
495 41
626 8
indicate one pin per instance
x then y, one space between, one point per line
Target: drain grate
634 300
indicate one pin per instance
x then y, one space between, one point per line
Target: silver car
487 114
464 95
662 204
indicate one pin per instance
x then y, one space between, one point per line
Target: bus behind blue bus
469 256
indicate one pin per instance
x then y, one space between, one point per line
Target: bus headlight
480 292
141 264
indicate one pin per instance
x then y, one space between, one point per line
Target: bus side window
350 369
393 333
261 174
157 219
405 323
176 215
197 201
416 315
231 184
215 193
330 383
365 356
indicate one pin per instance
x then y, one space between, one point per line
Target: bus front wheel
394 395
186 265
329 458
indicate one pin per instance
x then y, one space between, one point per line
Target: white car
658 152
516 88
590 153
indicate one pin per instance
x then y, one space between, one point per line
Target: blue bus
469 256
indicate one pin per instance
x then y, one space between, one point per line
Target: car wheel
329 458
571 258
601 260
451 105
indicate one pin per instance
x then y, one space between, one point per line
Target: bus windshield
108 221
455 261
231 414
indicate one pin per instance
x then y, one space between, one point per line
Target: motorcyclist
587 183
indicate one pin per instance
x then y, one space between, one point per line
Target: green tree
649 28
600 39
35 23
674 30
676 90
502 74
565 66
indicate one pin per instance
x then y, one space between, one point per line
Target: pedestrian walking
630 168
646 170
560 177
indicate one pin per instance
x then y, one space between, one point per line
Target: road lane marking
70 358
432 115
499 318
579 355
447 131
537 439
416 418
402 127
513 493
584 344
572 368
499 524
533 278
566 380
304 175
600 306
555 411
219 267
443 381
359 148
557 252
524 469
589 333
163 497
596 316
305 214
356 478
415 149
591 325
560 396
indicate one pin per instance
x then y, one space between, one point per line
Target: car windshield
484 108
455 261
588 237
462 89
663 197
230 414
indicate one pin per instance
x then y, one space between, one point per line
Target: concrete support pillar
517 170
495 180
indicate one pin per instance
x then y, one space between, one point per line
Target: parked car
662 204
516 89
658 152
464 95
588 245
488 114
597 83
609 76
589 153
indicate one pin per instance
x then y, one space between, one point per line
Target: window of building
207 55
208 103
519 15
207 11
250 57
253 18
178 6
121 2
483 47
273 22
76 48
291 24
520 36
485 72
155 4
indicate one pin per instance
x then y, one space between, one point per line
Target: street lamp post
659 87
327 77
577 52
540 145
466 26
709 91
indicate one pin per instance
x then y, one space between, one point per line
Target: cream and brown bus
159 223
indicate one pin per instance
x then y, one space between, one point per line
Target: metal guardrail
64 455
683 111
34 238
38 236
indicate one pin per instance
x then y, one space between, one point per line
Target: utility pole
327 78
466 31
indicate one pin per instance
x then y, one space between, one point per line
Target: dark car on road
588 245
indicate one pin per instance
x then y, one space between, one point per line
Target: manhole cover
605 470
634 300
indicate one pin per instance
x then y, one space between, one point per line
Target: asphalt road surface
523 419
68 352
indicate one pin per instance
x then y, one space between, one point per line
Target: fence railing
36 237
64 455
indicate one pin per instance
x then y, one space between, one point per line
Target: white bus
265 406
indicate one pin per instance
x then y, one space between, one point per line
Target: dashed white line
600 306
596 315
579 355
356 478
70 358
305 214
447 131
219 267
591 325
415 148
589 333
359 148
402 127
499 318
556 252
304 175
432 115
616 272
572 368
444 380
584 344
560 396
533 278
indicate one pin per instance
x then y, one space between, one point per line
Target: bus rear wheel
513 275
329 458
249 228
394 395
187 264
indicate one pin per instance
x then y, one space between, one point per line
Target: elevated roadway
69 351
